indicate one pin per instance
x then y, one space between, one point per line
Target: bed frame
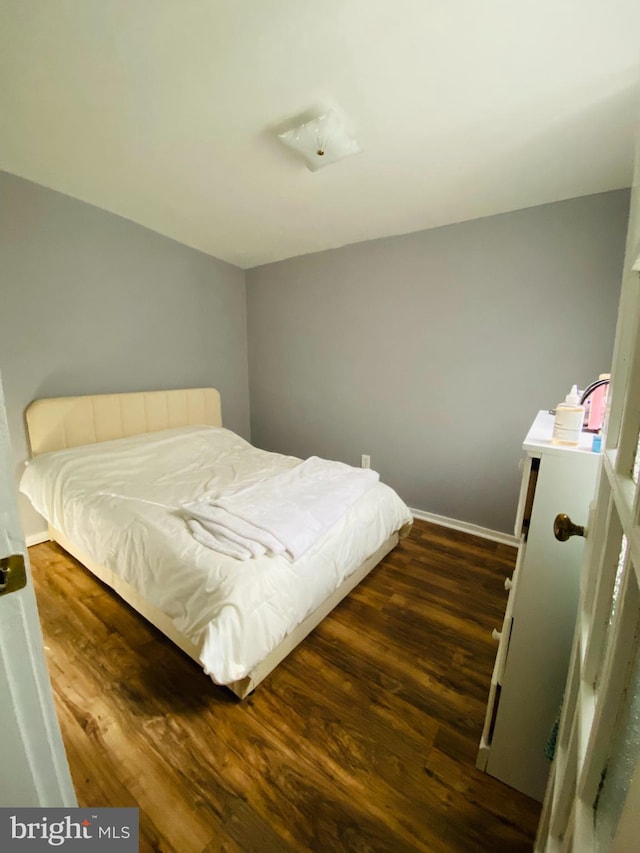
62 422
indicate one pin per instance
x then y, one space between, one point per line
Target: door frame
34 770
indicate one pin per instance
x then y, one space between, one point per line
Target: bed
108 473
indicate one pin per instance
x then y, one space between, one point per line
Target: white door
592 801
33 764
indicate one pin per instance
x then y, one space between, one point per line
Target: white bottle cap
573 398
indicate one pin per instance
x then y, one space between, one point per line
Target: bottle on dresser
594 399
569 420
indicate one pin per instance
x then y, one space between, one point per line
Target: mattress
119 502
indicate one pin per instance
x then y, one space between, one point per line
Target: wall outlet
366 461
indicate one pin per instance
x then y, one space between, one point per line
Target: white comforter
119 502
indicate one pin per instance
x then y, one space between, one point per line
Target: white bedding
293 509
118 501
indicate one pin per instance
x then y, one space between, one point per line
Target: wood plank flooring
364 739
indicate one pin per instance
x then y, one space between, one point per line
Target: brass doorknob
563 528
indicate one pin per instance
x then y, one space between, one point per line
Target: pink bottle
598 405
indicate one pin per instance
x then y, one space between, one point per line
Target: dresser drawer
530 467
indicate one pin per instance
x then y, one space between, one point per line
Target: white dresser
534 641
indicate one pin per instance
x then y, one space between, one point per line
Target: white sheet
119 502
296 507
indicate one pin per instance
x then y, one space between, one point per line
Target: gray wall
434 351
91 303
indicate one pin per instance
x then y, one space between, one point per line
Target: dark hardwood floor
363 739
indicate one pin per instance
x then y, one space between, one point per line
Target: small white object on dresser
535 638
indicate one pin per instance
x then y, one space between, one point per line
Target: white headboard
60 422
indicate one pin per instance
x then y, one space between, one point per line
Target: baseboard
466 527
37 538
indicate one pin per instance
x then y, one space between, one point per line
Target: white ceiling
166 111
